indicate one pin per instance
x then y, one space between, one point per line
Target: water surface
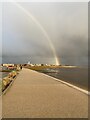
76 76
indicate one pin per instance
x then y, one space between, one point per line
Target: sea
77 76
3 74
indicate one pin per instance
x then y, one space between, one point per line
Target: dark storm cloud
65 23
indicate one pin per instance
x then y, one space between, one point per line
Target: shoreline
64 82
75 76
68 84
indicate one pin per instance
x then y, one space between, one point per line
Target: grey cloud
65 23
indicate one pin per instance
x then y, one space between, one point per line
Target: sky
39 32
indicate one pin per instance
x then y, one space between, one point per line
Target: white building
7 65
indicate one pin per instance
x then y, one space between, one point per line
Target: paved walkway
35 95
0 107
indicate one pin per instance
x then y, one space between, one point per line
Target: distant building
7 65
28 62
32 65
38 64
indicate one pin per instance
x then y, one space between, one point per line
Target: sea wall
6 81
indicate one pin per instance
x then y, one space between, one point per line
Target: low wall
6 81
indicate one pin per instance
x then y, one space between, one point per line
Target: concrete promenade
34 95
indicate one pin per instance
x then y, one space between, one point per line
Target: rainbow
42 29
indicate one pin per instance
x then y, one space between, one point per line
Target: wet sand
34 95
